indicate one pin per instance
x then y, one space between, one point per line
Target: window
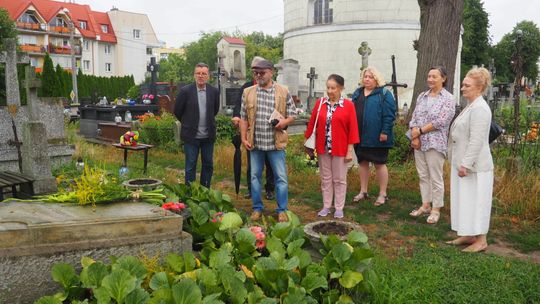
104 28
107 48
33 62
58 21
148 51
108 67
86 45
137 34
27 39
323 14
28 17
83 24
86 65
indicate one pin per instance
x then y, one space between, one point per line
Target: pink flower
173 206
260 244
255 229
260 236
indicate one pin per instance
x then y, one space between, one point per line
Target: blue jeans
277 162
191 150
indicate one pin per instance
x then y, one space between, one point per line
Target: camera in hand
274 122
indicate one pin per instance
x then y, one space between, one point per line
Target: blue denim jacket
379 116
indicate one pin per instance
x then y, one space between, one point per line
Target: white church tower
326 34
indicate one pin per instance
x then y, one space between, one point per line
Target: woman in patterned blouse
429 126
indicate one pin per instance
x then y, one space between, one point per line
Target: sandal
420 211
433 217
381 199
361 196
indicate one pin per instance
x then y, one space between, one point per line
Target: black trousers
270 185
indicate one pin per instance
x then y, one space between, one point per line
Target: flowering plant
148 96
259 237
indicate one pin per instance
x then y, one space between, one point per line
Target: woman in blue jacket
375 112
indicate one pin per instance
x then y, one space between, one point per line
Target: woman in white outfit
471 178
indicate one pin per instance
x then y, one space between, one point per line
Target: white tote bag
310 142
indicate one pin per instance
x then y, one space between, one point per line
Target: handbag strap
317 117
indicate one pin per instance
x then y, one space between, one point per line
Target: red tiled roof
233 40
48 9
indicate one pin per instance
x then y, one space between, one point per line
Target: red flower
260 244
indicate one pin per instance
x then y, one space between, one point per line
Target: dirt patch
328 228
504 249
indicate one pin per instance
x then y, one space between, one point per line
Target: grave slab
35 236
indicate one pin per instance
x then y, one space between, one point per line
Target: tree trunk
440 26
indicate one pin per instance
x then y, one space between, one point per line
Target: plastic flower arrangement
174 206
217 217
259 237
146 116
148 96
312 160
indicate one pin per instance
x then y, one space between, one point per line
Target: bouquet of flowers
129 138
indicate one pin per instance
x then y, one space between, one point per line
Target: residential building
163 52
113 43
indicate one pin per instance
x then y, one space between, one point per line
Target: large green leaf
189 261
356 237
186 291
304 257
245 240
290 264
220 258
275 246
345 299
234 288
313 281
159 280
349 279
282 230
230 220
199 215
295 246
48 300
133 265
294 295
137 296
119 284
92 275
207 277
175 262
64 274
212 299
317 269
342 252
102 295
161 296
87 261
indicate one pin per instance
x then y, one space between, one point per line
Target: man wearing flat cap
267 110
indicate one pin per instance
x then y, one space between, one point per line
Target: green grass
443 274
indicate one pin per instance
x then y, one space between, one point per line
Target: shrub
158 130
225 129
401 152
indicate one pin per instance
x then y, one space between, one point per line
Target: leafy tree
440 26
476 46
175 69
60 86
202 50
503 51
7 30
266 46
48 78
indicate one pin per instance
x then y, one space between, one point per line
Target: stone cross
11 59
32 85
312 76
364 50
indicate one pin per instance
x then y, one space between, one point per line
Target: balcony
59 29
32 48
30 26
63 50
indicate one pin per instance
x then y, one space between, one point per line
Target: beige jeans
333 171
429 165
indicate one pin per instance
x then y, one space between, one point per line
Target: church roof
233 40
48 9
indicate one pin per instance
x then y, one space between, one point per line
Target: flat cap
263 64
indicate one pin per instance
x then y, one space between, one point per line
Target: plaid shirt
264 131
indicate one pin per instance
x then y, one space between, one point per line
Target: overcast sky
179 21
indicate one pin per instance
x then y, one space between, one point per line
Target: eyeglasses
258 73
201 74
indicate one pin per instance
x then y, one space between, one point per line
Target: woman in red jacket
335 135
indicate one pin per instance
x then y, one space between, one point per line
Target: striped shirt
264 131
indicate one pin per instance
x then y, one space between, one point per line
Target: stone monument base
35 236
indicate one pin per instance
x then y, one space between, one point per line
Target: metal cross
394 84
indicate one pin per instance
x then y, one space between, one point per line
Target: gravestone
288 71
231 54
48 110
364 50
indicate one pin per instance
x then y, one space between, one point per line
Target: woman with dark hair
428 131
376 111
336 133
